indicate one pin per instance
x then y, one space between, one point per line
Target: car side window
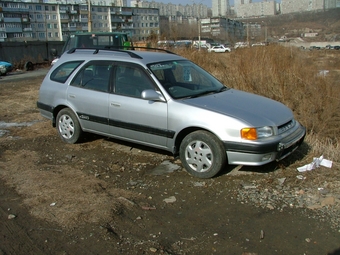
131 80
94 76
62 72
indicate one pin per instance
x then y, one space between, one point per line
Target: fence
36 52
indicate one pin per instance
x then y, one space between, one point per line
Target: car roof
136 56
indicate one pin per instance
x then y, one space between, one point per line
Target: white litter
317 162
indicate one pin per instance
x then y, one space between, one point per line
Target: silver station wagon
165 101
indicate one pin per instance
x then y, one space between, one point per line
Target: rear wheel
202 154
68 126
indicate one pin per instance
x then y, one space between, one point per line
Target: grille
285 127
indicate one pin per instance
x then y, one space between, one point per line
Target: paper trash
317 162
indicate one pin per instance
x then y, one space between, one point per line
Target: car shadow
295 157
89 137
336 252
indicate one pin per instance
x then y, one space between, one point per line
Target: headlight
256 133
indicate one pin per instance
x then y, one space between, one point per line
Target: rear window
62 72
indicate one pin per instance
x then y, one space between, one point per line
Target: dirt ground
103 196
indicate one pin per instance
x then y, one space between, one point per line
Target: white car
219 48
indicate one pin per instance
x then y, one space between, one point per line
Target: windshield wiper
208 92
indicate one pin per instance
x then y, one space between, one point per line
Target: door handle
115 104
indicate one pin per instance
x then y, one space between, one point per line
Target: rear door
88 94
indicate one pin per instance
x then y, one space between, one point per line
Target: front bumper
256 154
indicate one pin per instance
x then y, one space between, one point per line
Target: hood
253 109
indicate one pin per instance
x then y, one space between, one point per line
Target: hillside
325 23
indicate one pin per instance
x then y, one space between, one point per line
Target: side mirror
150 94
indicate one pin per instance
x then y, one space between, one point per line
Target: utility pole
89 22
199 34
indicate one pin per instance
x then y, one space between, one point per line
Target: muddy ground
103 196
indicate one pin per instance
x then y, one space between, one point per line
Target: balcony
12 20
28 29
116 20
13 30
126 13
7 9
126 27
84 12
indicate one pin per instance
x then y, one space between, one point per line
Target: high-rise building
220 8
246 8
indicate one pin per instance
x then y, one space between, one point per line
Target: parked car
259 44
219 48
5 67
167 102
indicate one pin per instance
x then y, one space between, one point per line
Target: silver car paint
221 114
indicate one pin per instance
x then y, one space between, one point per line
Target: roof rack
132 54
133 48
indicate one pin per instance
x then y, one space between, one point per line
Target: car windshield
184 79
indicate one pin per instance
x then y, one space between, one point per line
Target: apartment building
169 9
27 21
244 8
222 28
220 8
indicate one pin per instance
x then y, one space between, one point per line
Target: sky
205 2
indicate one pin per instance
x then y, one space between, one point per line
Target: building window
38 8
41 35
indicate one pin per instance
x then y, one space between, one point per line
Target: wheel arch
184 132
57 109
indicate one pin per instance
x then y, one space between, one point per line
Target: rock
171 199
328 201
153 249
314 207
11 216
269 206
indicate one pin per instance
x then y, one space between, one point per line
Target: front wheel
68 126
202 154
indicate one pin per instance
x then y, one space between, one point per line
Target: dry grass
292 77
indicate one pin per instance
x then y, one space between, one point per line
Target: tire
68 126
29 66
202 154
